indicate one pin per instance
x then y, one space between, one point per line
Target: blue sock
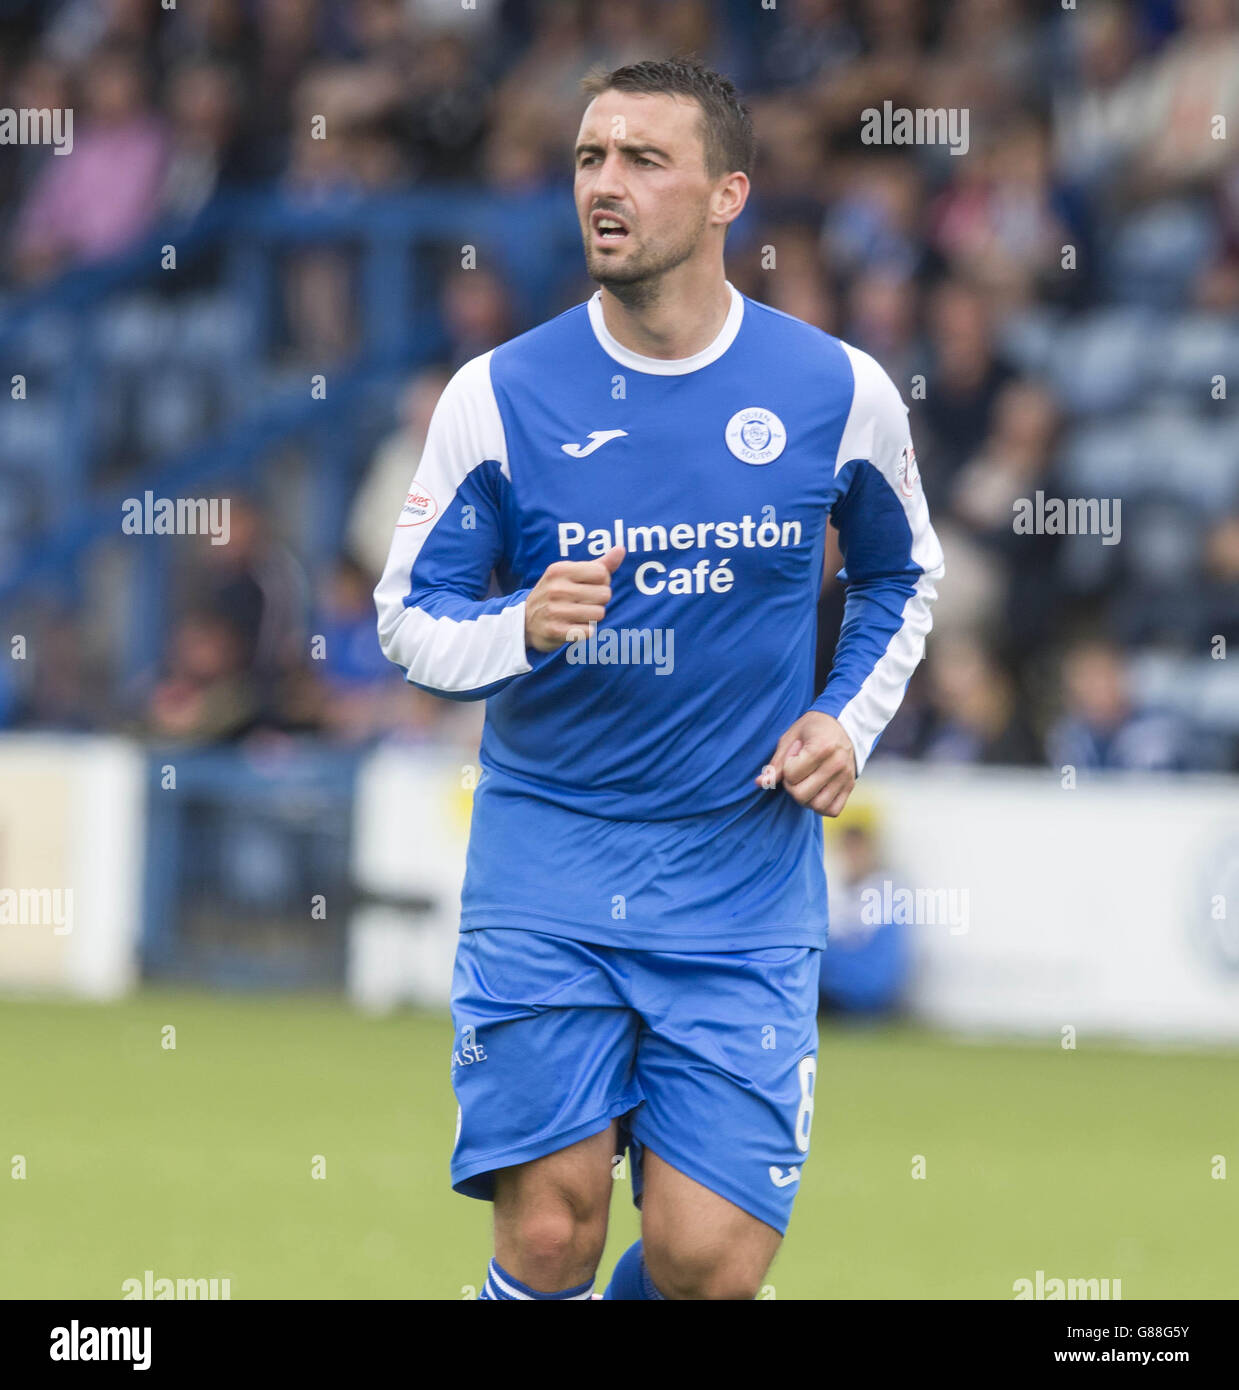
500 1287
631 1279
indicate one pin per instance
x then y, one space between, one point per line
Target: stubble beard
637 281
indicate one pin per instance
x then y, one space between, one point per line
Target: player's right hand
570 596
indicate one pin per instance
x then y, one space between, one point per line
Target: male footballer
616 538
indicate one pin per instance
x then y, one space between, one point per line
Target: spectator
814 41
395 464
1094 128
207 695
446 112
204 101
1015 461
1102 726
1097 103
1190 95
104 196
963 378
1000 221
256 585
865 965
976 712
1218 610
477 313
357 679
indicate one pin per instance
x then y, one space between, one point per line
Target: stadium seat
1102 361
1157 254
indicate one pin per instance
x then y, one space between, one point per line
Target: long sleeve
434 617
892 560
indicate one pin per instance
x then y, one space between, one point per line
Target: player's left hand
815 762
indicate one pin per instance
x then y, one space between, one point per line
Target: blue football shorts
708 1059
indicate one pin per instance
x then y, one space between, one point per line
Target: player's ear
730 196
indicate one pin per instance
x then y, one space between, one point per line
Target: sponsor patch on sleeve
419 507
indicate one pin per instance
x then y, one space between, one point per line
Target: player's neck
679 317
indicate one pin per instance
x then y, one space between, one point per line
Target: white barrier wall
411 828
72 818
1112 908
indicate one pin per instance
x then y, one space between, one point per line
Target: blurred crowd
1057 306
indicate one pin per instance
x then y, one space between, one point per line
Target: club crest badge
755 435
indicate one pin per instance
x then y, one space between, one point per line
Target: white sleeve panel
433 617
877 431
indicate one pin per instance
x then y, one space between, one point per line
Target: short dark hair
726 126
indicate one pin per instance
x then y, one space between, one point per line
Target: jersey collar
664 366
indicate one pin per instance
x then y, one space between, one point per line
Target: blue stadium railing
234 855
529 238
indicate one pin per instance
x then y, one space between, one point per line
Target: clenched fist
570 595
815 762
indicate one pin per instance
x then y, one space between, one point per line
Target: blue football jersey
617 801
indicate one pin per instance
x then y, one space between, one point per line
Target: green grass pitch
197 1162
